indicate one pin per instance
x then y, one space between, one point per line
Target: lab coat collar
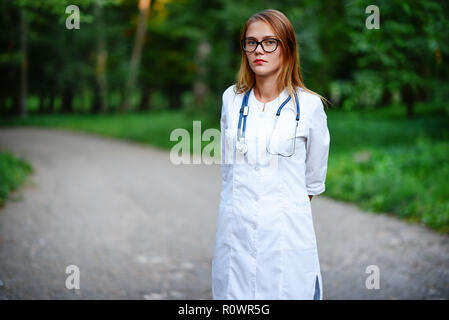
282 96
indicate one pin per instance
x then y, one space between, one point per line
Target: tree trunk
16 102
174 98
200 86
2 105
67 100
51 103
409 100
144 9
41 108
102 56
24 64
145 98
386 98
95 107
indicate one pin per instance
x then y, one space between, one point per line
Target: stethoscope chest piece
241 146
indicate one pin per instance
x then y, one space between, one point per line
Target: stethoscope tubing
244 110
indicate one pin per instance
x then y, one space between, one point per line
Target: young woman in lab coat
265 246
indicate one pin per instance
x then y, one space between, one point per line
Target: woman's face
271 60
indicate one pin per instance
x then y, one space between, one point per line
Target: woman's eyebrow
265 37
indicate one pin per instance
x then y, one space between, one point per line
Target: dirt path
139 227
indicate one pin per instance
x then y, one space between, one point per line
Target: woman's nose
259 49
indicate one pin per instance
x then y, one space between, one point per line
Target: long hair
290 74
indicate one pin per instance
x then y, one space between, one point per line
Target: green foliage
402 62
406 52
13 173
388 164
408 181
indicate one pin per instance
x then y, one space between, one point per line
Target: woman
272 166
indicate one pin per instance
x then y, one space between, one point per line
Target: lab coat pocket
279 141
298 140
300 232
284 134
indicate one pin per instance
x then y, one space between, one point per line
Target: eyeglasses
268 45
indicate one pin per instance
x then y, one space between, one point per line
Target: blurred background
136 70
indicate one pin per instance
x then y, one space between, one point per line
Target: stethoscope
241 145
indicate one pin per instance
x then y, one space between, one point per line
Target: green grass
387 163
152 128
13 173
409 181
378 159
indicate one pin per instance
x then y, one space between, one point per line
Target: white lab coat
265 245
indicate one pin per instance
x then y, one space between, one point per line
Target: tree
144 9
401 55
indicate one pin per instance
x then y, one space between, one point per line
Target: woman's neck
265 89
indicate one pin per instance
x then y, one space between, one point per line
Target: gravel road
139 227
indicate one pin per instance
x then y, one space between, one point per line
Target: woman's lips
259 61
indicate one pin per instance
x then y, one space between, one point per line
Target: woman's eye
251 43
270 42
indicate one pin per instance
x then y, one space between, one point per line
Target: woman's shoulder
309 97
311 104
229 92
229 96
227 99
312 100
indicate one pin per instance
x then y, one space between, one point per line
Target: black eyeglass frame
260 42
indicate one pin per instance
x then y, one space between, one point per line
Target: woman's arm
318 142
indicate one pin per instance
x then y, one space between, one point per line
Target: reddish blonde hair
290 74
